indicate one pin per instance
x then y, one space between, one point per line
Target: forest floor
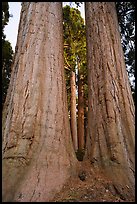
90 186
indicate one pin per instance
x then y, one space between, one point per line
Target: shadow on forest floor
90 186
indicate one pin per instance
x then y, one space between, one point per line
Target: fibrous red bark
73 118
81 140
111 127
38 155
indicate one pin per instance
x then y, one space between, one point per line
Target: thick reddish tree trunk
38 155
73 118
111 127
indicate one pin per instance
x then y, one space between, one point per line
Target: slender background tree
75 60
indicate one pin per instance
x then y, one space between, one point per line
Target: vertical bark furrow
81 141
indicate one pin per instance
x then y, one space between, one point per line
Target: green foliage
7 55
5 14
7 52
77 3
5 17
74 29
74 45
126 18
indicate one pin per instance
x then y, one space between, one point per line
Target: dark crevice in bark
36 185
15 157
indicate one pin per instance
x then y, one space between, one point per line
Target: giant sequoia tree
110 142
38 155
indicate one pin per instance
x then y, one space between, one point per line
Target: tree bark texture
111 128
38 155
73 111
81 139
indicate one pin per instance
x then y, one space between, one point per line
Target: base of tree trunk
92 184
123 182
43 182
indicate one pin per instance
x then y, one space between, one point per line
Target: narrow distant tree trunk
111 128
73 112
38 155
80 114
